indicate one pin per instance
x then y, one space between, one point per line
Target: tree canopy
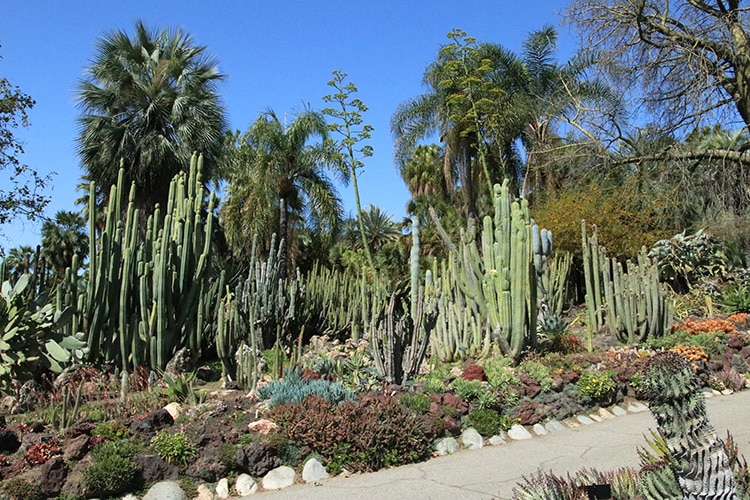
21 192
149 101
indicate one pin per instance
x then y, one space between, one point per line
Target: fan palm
63 238
278 181
149 101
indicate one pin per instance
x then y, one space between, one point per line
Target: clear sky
276 54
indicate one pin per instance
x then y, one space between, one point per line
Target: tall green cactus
399 334
260 314
497 277
633 304
147 289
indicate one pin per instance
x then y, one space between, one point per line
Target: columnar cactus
496 278
632 304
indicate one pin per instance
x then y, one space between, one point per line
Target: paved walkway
493 471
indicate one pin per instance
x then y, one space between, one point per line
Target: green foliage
112 470
149 99
27 327
418 403
685 259
111 430
365 434
487 422
735 299
174 448
292 389
539 372
180 388
499 372
434 380
468 390
22 186
19 489
475 392
599 386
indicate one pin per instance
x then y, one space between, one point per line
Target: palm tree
278 182
492 108
17 262
62 239
149 101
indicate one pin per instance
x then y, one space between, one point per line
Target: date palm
150 101
278 181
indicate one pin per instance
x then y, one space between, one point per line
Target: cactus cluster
147 287
399 336
489 287
260 314
627 298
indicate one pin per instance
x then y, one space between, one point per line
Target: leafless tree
685 62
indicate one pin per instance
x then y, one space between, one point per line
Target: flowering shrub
692 353
598 386
711 325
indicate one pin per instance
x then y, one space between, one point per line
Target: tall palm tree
278 181
491 106
150 101
62 239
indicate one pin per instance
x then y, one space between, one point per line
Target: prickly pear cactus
697 456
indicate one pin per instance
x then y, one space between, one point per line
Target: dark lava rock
530 386
9 442
257 458
52 476
154 468
76 448
157 419
528 413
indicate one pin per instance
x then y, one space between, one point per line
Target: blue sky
276 55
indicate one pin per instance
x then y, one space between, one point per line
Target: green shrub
434 381
20 489
468 390
475 392
113 431
486 422
499 372
418 403
112 471
292 389
598 386
364 434
735 299
173 448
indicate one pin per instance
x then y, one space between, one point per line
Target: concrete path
493 471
